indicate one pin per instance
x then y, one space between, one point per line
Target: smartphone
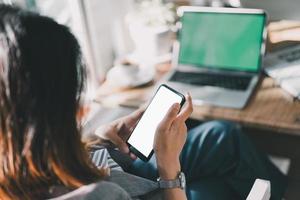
142 137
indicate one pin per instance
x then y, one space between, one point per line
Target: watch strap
179 182
168 184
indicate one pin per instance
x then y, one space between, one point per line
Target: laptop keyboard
209 79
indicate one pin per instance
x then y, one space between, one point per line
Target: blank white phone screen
142 137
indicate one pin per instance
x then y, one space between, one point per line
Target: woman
38 104
41 153
41 80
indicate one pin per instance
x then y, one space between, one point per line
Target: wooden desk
269 108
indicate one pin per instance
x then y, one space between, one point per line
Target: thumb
170 116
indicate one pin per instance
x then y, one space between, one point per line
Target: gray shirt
96 191
119 186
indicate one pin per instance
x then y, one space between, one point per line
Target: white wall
109 37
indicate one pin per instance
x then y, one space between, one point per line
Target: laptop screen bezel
184 9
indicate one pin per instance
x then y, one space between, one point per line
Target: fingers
131 119
178 126
187 109
170 116
132 156
123 147
138 113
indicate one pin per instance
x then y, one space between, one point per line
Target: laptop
218 55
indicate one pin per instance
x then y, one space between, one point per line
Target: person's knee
213 144
219 130
225 127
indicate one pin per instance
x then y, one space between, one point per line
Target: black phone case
134 150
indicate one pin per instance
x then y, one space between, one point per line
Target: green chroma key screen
221 40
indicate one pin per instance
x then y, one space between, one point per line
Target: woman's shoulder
99 190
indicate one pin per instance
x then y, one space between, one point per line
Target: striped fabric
101 158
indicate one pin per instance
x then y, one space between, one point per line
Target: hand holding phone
170 138
142 138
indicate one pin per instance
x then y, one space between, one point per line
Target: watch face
182 180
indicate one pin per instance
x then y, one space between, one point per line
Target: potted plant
150 27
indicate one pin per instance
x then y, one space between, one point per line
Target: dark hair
41 79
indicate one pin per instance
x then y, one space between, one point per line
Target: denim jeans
220 163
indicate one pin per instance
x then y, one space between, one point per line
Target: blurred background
139 34
106 28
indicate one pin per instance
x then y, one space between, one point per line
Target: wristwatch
179 182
